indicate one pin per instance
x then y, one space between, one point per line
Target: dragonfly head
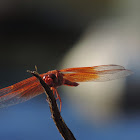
50 79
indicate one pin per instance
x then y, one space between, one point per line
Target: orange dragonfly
31 87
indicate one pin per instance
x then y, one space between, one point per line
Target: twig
55 113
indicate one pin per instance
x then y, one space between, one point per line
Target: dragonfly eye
52 76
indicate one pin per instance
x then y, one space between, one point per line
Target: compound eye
52 76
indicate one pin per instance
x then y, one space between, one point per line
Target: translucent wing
96 73
20 92
93 69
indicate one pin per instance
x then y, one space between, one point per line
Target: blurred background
62 34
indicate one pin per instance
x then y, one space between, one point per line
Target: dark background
31 32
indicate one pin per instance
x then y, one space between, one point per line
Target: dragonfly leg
58 97
55 92
53 89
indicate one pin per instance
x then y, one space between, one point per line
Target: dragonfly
31 87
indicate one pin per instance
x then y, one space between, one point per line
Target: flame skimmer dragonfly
31 87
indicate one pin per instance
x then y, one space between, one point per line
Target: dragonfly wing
20 92
17 86
98 76
93 69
